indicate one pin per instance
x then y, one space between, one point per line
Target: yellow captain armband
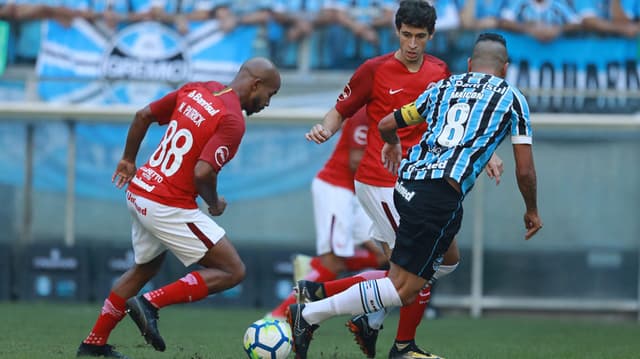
408 115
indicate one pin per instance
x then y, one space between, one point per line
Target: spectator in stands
545 20
631 11
298 18
7 9
448 12
480 14
184 14
241 12
605 17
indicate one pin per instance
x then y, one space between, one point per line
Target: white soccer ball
267 339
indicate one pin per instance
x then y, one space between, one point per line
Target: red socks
337 286
411 315
112 312
361 259
189 288
319 273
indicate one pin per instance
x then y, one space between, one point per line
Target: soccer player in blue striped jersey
468 116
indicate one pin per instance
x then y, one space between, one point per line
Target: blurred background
75 71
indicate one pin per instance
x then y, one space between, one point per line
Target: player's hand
533 223
318 134
391 155
495 168
219 207
124 173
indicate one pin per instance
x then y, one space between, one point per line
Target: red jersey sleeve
162 109
357 92
223 145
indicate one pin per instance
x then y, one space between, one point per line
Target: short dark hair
416 13
492 36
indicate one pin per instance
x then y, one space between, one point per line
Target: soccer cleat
106 351
308 291
410 350
301 331
365 336
145 315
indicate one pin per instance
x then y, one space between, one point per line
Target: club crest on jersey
346 92
222 155
360 135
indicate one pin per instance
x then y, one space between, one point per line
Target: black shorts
430 216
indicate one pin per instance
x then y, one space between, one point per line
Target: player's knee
444 270
238 272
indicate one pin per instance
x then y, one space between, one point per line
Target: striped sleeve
520 120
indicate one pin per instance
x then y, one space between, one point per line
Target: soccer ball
267 339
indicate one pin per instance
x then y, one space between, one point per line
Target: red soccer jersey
354 136
385 84
205 122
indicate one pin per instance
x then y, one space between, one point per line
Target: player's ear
255 83
504 69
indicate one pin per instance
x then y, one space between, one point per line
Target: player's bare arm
495 168
126 168
206 180
527 183
321 132
391 153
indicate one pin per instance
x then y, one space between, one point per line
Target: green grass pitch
46 330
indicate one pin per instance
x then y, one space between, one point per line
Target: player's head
490 55
415 25
255 83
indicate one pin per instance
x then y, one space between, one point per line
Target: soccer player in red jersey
469 116
384 84
342 226
205 125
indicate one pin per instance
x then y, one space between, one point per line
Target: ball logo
222 155
346 92
147 51
360 135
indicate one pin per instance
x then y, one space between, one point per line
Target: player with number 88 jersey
205 125
192 114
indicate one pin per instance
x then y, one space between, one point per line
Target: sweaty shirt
384 84
337 170
204 122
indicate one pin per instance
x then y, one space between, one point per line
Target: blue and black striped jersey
468 116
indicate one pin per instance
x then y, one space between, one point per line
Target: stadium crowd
342 32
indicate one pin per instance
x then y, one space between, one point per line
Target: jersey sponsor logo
404 192
222 155
197 97
435 166
346 92
360 135
140 183
484 86
150 175
191 113
131 198
393 92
